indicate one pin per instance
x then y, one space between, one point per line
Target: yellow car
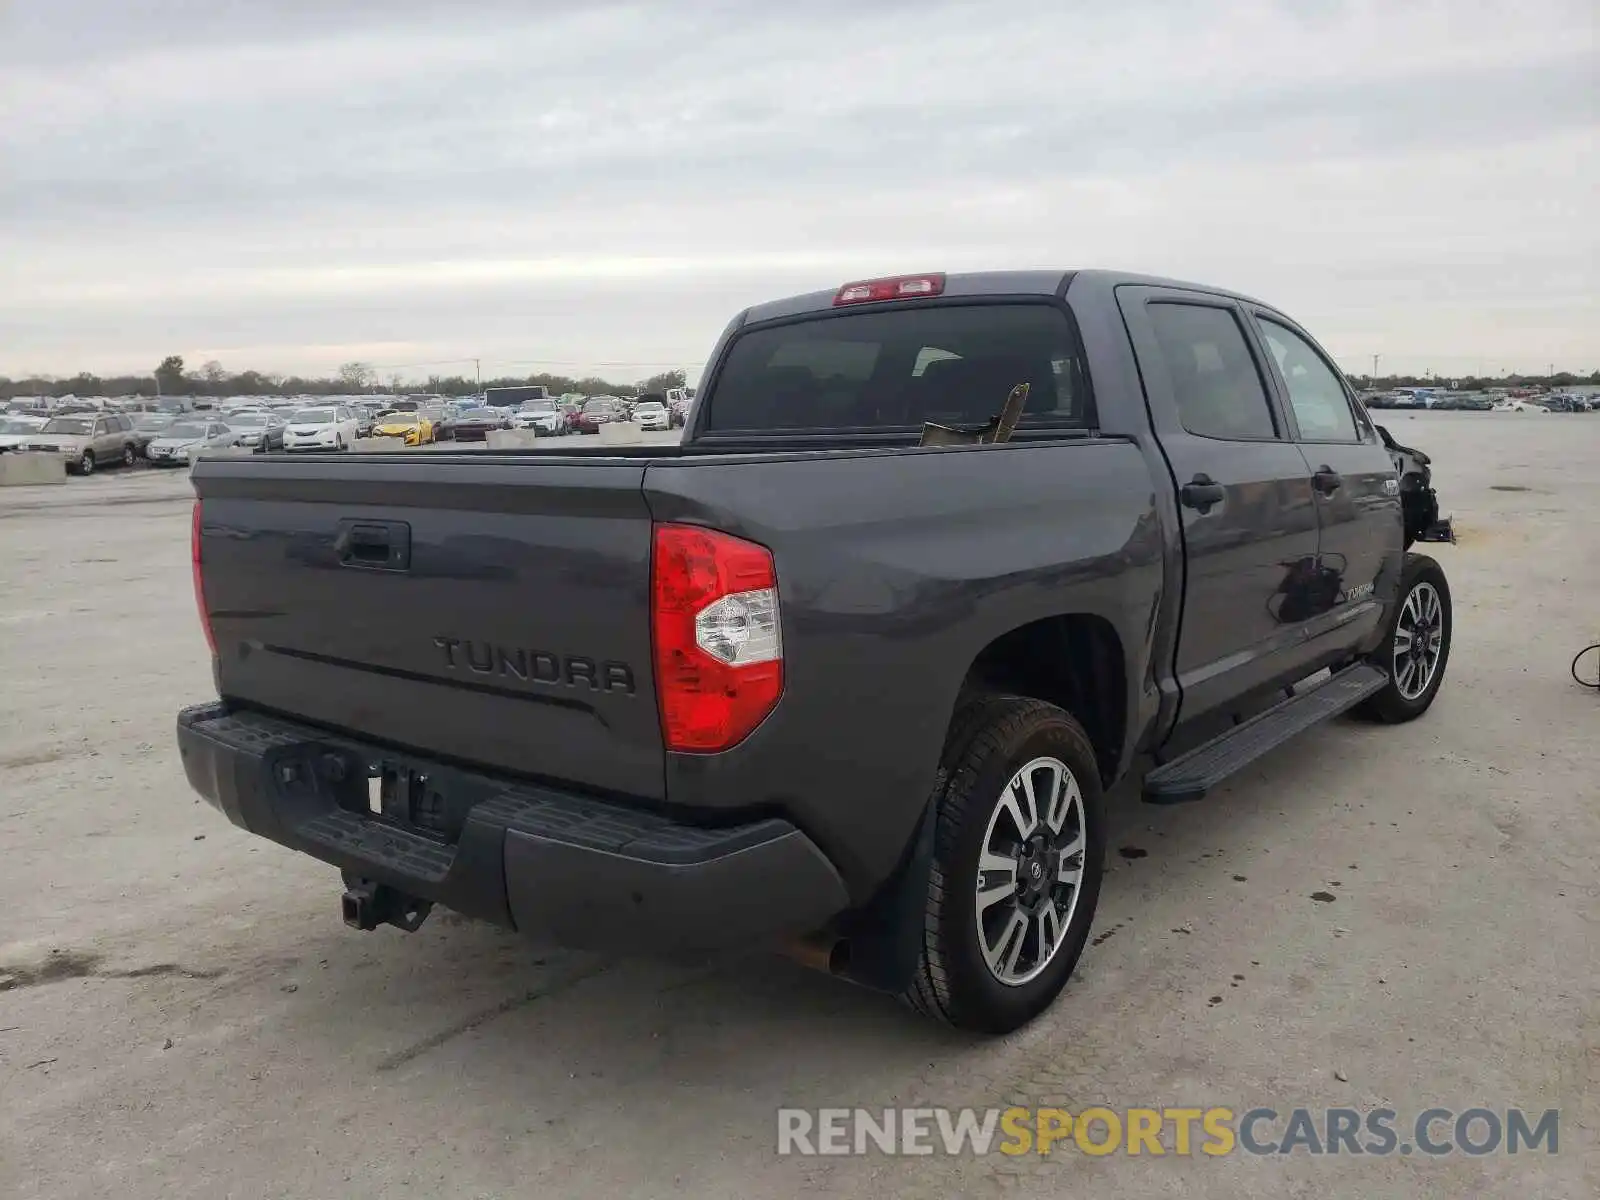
413 427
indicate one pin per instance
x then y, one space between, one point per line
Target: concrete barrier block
620 433
22 470
512 439
220 452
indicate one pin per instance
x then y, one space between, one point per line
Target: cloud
609 183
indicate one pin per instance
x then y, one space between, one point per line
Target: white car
14 430
652 414
323 427
544 417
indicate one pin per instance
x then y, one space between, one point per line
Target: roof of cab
993 283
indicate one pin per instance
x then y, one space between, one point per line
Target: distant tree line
172 378
1471 383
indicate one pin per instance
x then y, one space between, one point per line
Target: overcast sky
289 185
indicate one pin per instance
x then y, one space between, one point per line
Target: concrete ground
182 1013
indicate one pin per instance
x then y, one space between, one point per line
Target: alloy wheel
1418 641
1030 871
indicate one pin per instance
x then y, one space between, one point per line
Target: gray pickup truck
804 680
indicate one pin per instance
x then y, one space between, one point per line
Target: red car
598 411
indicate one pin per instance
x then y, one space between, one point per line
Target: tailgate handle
385 545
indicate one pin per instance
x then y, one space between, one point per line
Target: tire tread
982 729
1388 707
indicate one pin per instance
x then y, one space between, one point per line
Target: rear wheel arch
1075 661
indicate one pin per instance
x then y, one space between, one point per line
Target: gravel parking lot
183 1014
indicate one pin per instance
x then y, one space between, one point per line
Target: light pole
1375 358
477 373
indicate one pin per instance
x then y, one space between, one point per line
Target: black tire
1400 702
989 742
86 463
129 456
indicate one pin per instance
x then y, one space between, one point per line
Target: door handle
1201 492
382 544
1327 481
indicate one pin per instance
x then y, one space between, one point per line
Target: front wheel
86 463
1417 645
1019 848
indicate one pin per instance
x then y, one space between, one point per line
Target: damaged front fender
1418 500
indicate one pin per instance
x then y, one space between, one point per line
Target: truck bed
516 638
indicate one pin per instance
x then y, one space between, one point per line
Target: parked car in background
149 425
366 416
15 430
544 417
598 411
412 428
325 427
1564 404
89 442
176 445
261 429
474 424
651 412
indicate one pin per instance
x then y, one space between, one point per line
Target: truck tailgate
496 612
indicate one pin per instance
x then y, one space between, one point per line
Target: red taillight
718 640
901 287
199 584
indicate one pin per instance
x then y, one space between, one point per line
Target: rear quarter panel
895 570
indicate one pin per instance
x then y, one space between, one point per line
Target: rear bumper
585 872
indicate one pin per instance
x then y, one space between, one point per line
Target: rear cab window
892 370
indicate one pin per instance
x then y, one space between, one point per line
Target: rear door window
1215 383
896 369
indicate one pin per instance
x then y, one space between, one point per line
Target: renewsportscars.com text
1213 1131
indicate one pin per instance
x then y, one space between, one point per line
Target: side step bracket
1190 776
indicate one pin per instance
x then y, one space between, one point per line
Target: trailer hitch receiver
366 904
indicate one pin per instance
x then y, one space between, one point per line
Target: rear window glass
900 368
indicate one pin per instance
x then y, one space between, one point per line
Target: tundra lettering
536 666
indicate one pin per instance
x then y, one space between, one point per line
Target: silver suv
89 441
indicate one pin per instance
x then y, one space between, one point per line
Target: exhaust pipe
823 952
